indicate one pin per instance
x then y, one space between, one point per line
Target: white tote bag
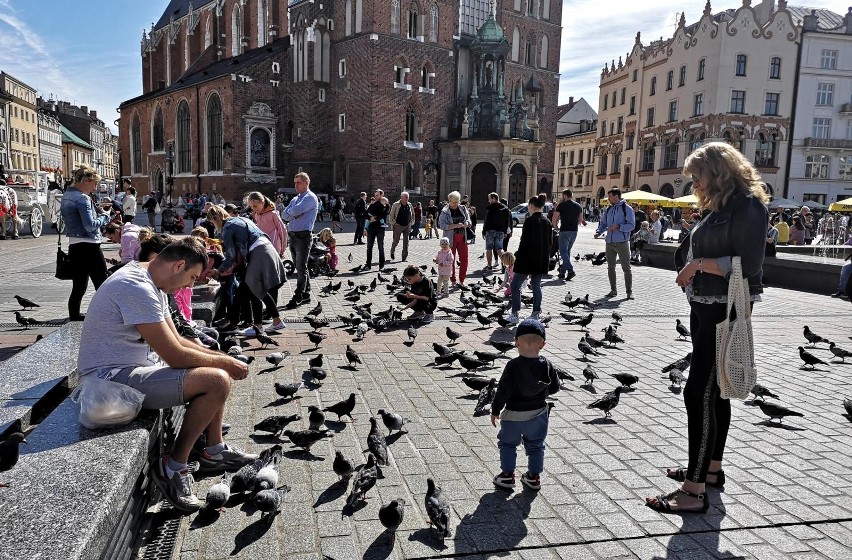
734 341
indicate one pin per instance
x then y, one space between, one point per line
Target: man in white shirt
128 205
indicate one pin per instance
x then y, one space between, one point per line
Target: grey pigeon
352 356
627 380
611 336
847 404
453 335
446 359
486 356
759 391
277 357
377 444
412 334
502 346
342 408
676 377
583 322
469 363
476 383
681 364
219 493
316 310
265 340
288 390
10 451
593 342
25 322
392 421
243 480
269 502
774 410
839 352
315 323
562 374
391 516
318 374
342 466
590 375
813 338
442 350
307 438
316 361
25 303
275 424
682 331
486 396
616 316
316 418
316 338
243 358
810 359
607 402
584 347
363 481
267 476
437 509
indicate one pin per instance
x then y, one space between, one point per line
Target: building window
670 153
670 80
822 128
635 75
531 7
341 122
135 145
741 65
561 159
738 101
347 18
157 135
825 94
414 30
632 105
544 52
849 130
735 142
214 134
261 22
620 128
603 129
695 141
828 59
400 73
630 139
844 169
236 31
682 79
613 99
395 16
606 102
341 68
648 156
623 95
411 125
816 167
702 64
764 154
672 111
433 24
602 164
770 104
616 162
426 78
649 121
528 54
775 68
653 86
184 144
698 104
516 45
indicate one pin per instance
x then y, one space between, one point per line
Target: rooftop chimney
571 100
84 108
847 20
810 22
93 114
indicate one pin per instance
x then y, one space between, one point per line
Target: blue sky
87 51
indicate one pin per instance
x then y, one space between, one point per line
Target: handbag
64 267
470 235
735 369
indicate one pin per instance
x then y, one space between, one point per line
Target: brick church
427 96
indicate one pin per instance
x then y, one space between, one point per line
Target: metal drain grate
163 535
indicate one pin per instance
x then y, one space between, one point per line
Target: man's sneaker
276 327
611 294
837 294
251 331
392 257
504 480
531 481
177 489
561 276
535 314
630 295
428 318
230 458
306 298
570 275
511 318
294 301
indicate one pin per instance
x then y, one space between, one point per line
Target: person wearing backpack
150 206
617 222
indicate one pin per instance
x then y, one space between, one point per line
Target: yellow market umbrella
641 197
844 205
687 201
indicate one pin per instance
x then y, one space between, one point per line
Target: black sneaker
531 481
306 298
505 480
570 275
837 294
561 276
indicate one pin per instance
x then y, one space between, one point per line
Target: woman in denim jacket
83 222
732 197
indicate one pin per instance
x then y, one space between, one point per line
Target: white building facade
576 135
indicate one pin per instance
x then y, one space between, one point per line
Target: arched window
318 58
545 10
262 22
602 163
359 15
544 47
695 141
414 27
395 16
516 45
764 155
208 33
347 16
214 133
528 54
409 176
326 57
186 52
236 31
304 52
734 140
184 144
433 24
157 136
136 145
411 125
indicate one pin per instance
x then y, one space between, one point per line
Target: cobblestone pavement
789 489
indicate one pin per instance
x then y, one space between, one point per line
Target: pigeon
681 364
10 451
486 356
349 257
269 502
486 396
342 466
584 347
774 410
607 402
627 380
813 338
318 374
839 352
502 346
577 257
470 363
234 350
483 320
584 322
377 444
307 438
316 310
243 358
352 356
342 408
412 334
676 377
316 361
354 298
277 357
25 322
611 336
315 323
616 317
682 331
392 420
590 374
316 418
287 390
363 481
243 479
562 374
229 342
599 259
759 391
503 322
25 303
433 271
476 383
437 509
453 335
219 494
275 424
810 359
391 516
265 340
267 476
442 350
316 338
847 404
447 359
373 285
593 342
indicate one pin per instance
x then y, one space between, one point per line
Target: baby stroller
555 258
171 221
317 261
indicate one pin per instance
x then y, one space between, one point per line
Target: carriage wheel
36 221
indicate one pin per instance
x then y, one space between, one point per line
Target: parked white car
519 213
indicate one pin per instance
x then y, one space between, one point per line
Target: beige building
729 76
576 138
75 151
22 117
110 176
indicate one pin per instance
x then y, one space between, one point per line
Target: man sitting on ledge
128 337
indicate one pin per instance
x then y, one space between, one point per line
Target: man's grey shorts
161 385
494 240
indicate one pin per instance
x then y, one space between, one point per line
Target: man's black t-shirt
424 288
378 211
403 215
432 211
569 215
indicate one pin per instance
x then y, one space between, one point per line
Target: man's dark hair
494 196
126 181
504 202
410 271
131 190
568 193
191 250
112 228
154 246
614 190
537 201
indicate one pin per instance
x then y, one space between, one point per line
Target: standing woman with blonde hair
270 223
733 197
454 221
83 223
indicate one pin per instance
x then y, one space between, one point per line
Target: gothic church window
528 54
236 31
184 146
135 145
214 134
411 125
394 16
433 24
261 22
208 33
545 10
359 15
415 24
544 48
157 135
347 14
516 45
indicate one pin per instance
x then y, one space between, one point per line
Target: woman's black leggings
88 260
708 414
254 304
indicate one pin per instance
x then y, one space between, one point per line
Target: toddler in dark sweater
526 382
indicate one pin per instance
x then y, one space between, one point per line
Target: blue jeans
517 282
845 272
300 247
566 241
376 235
532 432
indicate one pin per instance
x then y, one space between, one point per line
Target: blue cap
531 326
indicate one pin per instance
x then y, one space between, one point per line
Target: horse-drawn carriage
32 207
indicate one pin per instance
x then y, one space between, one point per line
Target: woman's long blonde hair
218 216
259 197
723 172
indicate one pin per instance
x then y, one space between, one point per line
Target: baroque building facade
576 144
362 94
21 113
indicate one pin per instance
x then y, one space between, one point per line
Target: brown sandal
663 504
680 475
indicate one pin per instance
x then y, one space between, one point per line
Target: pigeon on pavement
810 359
377 444
219 493
316 418
611 336
676 377
307 438
607 402
469 363
774 410
316 361
318 374
442 350
391 515
627 380
342 466
392 420
453 335
847 404
267 476
363 481
502 346
616 317
26 303
590 375
25 322
486 356
813 338
10 451
275 424
316 310
682 331
476 383
265 340
287 390
759 391
584 347
412 333
316 338
437 509
277 357
486 396
269 502
839 352
243 480
681 364
243 358
583 322
562 374
352 356
342 408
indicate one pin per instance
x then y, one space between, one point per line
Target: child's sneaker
505 480
531 481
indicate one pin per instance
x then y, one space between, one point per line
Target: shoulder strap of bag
738 290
